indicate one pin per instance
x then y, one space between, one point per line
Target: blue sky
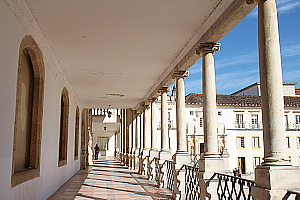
236 63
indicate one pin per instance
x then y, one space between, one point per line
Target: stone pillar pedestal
153 154
143 161
164 155
272 182
180 159
208 186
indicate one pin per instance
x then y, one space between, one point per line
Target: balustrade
233 188
169 179
184 183
192 187
149 168
292 194
195 159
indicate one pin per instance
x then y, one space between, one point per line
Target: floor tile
108 179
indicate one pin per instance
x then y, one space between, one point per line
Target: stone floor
108 179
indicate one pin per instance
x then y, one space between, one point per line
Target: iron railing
149 168
195 159
290 194
233 188
192 187
157 171
170 171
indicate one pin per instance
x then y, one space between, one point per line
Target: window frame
239 120
255 142
77 122
64 129
288 142
255 161
240 142
30 49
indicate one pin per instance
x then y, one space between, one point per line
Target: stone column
147 131
127 136
154 150
123 124
137 138
141 157
130 136
209 100
268 176
211 162
181 155
164 153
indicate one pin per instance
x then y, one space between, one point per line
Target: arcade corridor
108 179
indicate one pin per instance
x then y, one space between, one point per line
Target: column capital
208 47
254 1
164 90
153 100
144 105
180 74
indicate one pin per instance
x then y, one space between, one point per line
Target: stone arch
28 113
64 129
76 134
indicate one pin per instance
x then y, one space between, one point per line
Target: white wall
14 26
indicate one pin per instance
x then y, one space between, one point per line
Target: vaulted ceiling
121 52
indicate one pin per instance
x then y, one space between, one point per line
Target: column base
276 161
210 165
272 182
145 153
164 155
180 158
153 154
278 177
211 155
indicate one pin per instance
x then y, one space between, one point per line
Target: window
255 142
28 114
103 143
83 139
297 122
219 113
239 121
254 121
298 142
256 161
240 142
76 133
191 112
288 142
286 122
201 122
64 121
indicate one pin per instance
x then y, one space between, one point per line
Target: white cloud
291 50
287 7
226 83
230 82
283 6
194 86
282 1
196 68
291 76
238 60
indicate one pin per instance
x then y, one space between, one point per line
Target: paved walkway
108 179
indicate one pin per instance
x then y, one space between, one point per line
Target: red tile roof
239 100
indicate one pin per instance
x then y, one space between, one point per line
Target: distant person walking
96 151
237 172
